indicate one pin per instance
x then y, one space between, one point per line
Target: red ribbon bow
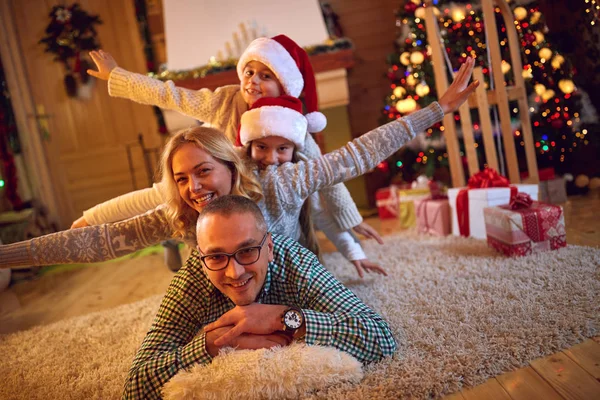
487 178
520 200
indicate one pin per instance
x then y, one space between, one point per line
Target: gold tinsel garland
215 67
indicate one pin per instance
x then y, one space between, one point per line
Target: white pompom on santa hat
291 65
274 116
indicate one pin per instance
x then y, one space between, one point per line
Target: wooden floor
571 374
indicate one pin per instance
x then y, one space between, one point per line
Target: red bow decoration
487 178
520 200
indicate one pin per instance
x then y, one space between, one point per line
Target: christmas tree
555 103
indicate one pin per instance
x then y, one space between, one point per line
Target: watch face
292 319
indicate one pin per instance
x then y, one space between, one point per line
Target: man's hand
105 64
368 266
261 319
79 223
458 92
246 341
367 230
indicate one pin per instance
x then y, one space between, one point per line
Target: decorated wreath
70 34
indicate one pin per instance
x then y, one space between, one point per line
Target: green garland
329 46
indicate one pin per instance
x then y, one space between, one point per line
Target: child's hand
79 223
458 92
368 266
367 230
104 62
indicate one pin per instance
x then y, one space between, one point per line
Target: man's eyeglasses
244 256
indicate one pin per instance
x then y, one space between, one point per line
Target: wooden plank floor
571 374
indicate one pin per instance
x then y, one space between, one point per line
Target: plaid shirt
334 317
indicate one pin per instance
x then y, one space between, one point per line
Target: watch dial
292 319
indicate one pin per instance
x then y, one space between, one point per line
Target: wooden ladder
482 99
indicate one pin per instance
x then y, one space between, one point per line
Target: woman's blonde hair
181 216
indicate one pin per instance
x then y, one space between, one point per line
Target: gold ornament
422 89
535 17
406 105
505 67
548 94
399 92
458 14
527 73
405 58
520 13
539 36
545 53
594 183
566 86
557 61
420 12
582 181
539 89
416 57
411 80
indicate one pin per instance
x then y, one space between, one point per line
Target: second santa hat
290 63
274 116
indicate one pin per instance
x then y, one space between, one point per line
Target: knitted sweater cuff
348 217
16 255
118 82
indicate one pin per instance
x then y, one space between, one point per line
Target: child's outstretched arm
296 181
123 207
205 105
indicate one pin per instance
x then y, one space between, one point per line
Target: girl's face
200 178
258 81
271 150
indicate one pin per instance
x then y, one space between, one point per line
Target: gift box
408 216
386 200
553 191
539 227
486 188
433 216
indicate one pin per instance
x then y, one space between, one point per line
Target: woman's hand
105 64
368 267
458 92
79 223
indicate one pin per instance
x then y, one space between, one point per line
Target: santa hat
290 64
274 116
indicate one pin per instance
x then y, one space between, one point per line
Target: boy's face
258 81
271 150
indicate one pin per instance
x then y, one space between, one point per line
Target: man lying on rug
250 289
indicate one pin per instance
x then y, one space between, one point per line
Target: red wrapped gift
387 201
488 178
433 216
545 174
525 230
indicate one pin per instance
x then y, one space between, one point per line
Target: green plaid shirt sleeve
175 340
334 315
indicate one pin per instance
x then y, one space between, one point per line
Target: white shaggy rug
461 312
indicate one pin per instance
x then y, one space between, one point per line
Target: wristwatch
292 319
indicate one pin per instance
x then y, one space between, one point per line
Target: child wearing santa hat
273 132
267 68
